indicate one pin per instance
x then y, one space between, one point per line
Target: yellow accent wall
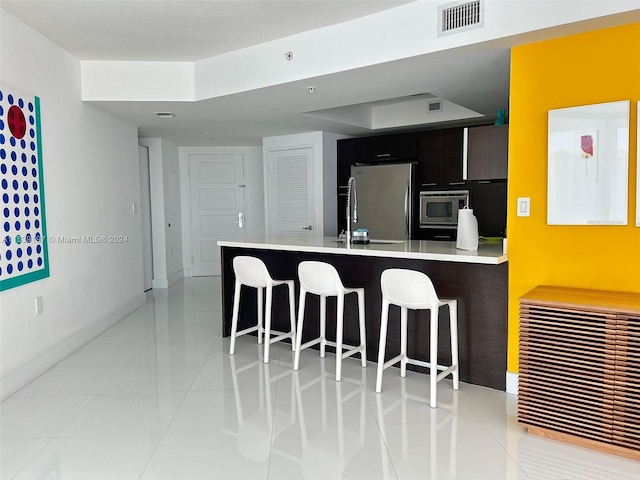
588 68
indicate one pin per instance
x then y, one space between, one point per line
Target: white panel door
291 192
217 207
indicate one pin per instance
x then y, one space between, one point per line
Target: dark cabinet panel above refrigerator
394 147
440 158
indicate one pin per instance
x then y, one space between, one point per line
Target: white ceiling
475 77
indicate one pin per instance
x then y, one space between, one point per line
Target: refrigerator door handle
407 218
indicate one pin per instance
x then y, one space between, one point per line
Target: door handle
310 227
240 221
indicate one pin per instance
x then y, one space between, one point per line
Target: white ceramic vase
467 230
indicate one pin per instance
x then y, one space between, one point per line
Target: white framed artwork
588 161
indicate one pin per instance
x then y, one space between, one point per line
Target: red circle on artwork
17 122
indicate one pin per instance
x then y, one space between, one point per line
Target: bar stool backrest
320 278
251 271
409 288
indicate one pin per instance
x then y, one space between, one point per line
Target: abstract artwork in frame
23 251
588 161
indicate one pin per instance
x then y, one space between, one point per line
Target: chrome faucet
351 187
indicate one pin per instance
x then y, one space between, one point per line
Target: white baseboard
159 283
512 383
179 275
167 282
14 381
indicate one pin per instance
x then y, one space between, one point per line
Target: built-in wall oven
439 209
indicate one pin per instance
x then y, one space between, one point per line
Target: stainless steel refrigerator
384 193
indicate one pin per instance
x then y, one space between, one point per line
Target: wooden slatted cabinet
579 371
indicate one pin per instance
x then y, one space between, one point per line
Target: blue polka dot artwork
23 251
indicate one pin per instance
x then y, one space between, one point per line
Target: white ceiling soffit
180 30
409 111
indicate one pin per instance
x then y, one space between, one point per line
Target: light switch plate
524 206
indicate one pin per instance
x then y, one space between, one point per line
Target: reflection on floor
158 397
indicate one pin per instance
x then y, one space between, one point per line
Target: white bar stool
252 272
320 278
414 290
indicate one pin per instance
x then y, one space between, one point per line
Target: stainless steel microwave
440 209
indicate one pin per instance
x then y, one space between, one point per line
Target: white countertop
487 253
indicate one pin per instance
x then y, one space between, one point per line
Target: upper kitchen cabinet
487 152
440 158
350 152
395 147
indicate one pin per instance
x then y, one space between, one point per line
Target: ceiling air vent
460 16
435 106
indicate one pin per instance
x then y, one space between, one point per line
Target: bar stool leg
384 319
296 355
323 326
234 318
292 315
339 326
363 335
433 356
267 324
453 325
260 315
403 341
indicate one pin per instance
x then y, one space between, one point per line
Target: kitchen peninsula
477 279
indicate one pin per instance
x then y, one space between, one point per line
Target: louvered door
290 196
579 372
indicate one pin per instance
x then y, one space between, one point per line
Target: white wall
166 212
254 193
91 179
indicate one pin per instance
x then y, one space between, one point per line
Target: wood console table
579 372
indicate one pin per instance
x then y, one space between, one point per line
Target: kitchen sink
374 242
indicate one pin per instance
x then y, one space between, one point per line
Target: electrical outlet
39 305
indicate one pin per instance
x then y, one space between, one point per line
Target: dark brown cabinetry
487 152
440 156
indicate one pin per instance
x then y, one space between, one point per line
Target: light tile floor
158 397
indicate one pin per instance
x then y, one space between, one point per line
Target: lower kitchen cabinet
579 371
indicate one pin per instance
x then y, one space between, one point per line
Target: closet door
291 194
